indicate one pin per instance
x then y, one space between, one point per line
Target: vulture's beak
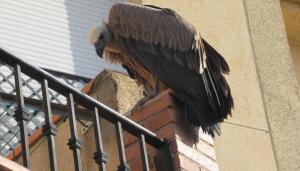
99 48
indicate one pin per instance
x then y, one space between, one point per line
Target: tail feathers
207 111
201 114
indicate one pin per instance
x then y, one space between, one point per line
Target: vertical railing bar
99 156
144 152
121 148
21 116
49 128
74 142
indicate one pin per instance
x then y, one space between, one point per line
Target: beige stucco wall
277 79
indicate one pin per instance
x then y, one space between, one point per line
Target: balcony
76 102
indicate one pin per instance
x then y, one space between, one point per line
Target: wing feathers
152 25
207 96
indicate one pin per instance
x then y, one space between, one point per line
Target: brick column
164 116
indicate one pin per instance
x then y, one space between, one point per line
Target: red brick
132 151
172 130
168 131
136 165
151 108
152 122
129 138
160 120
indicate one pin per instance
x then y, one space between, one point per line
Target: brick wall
163 115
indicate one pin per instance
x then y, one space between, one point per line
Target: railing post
99 156
163 159
49 128
144 154
74 142
21 116
121 148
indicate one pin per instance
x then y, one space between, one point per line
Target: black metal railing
97 109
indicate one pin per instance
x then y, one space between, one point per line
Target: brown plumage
162 50
153 25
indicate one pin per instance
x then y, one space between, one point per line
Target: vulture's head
100 35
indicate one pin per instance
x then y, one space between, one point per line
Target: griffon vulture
162 50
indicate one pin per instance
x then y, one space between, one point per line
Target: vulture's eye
101 36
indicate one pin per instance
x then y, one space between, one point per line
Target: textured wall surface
277 79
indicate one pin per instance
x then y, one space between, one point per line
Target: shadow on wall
291 16
82 16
